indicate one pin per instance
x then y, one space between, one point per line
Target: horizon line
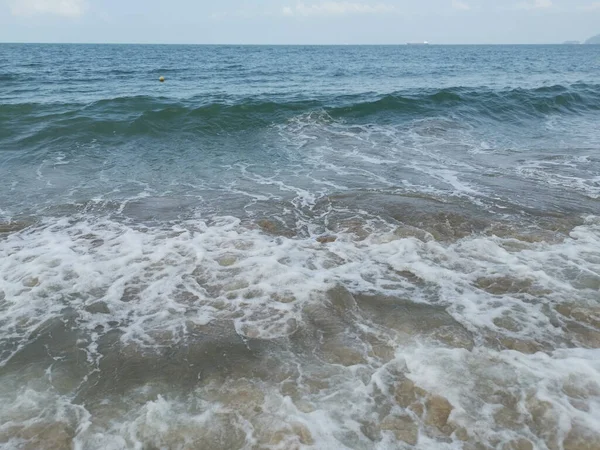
405 44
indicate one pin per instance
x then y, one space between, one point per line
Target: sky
299 22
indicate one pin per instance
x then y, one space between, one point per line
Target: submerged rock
371 431
580 438
407 231
330 330
186 297
284 298
506 285
241 395
342 299
543 421
132 292
581 323
582 314
338 353
273 435
403 427
434 410
275 228
518 444
99 307
380 348
267 225
31 282
12 227
521 345
508 323
438 411
407 393
227 261
304 406
450 226
413 319
454 337
359 229
461 434
303 433
41 436
326 239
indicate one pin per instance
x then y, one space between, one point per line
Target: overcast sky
299 22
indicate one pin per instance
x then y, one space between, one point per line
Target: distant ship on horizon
418 43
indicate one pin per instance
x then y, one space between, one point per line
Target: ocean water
299 247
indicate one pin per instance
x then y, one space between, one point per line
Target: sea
299 247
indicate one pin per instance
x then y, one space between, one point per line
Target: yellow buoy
161 79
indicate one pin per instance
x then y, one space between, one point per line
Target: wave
8 77
138 115
514 103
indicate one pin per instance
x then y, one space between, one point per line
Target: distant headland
593 40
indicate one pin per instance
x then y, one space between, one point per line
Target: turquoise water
299 247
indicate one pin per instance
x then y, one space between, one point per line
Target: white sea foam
159 283
556 173
219 332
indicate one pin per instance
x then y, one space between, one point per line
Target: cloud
65 8
336 9
591 7
242 13
458 4
536 4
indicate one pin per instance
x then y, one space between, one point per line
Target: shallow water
299 247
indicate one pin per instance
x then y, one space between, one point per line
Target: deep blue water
80 122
